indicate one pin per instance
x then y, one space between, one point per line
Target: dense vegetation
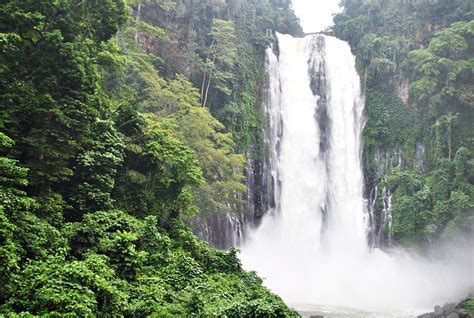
417 62
106 149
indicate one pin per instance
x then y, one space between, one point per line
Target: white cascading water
312 248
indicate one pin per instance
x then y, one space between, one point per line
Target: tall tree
220 58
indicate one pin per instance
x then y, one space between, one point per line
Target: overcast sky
315 15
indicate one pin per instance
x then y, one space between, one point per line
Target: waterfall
311 246
387 215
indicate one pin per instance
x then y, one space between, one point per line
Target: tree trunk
204 76
208 85
203 85
207 90
450 133
137 19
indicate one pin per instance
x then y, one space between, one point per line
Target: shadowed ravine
312 247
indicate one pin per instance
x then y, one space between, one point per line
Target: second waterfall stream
311 248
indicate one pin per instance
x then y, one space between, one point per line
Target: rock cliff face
377 193
227 229
221 230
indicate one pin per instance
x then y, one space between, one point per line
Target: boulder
438 311
448 308
463 313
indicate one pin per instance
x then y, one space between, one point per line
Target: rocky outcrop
220 230
451 311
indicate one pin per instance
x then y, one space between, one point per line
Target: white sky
315 15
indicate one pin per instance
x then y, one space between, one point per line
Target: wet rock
463 313
316 316
449 311
448 308
438 311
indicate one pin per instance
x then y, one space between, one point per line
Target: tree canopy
106 151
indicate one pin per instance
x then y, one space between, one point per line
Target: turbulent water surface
311 248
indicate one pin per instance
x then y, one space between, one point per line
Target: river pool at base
307 311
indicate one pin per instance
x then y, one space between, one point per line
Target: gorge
231 158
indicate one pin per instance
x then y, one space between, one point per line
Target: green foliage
445 69
97 228
220 58
175 105
9 252
437 204
157 175
22 234
198 32
176 274
127 266
51 101
214 147
469 305
390 123
97 167
103 153
56 286
421 51
121 249
413 20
